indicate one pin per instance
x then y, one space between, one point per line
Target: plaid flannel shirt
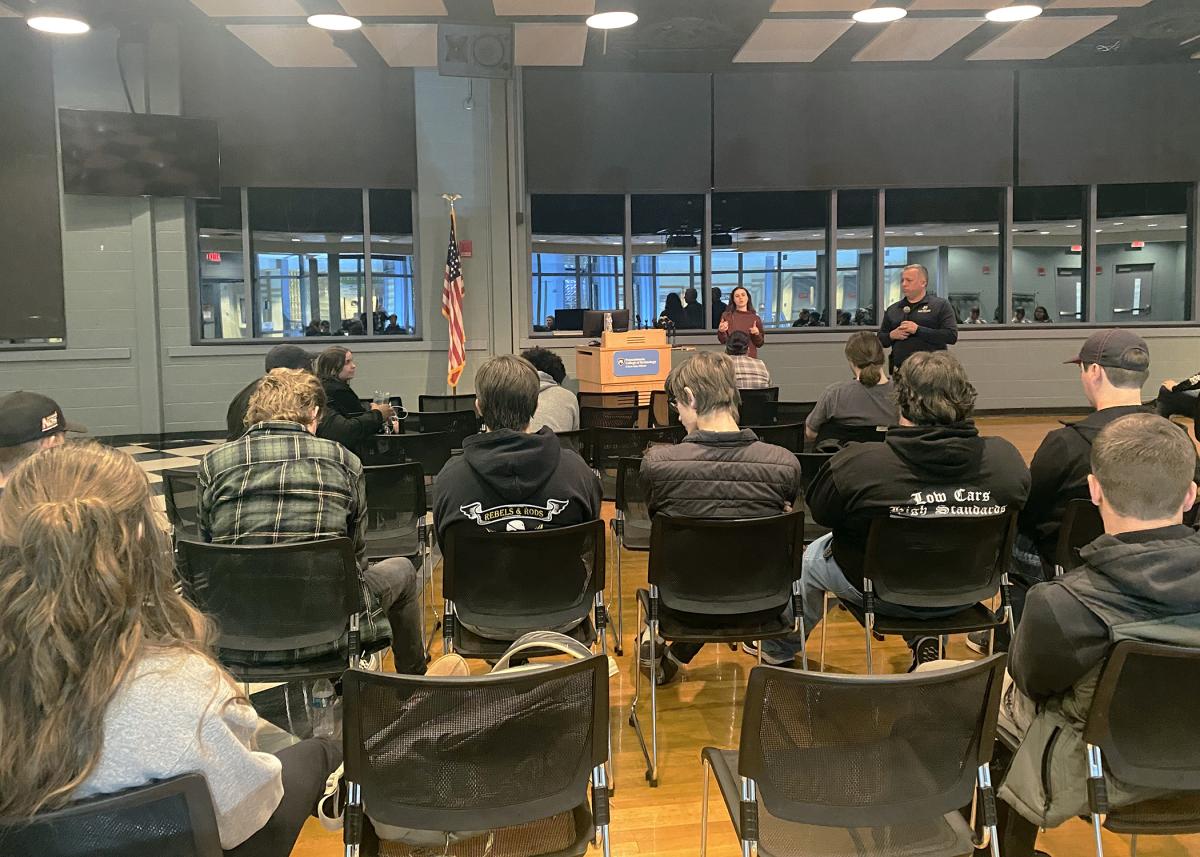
749 373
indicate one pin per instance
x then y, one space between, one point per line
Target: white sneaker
751 648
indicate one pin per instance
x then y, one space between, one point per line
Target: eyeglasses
673 404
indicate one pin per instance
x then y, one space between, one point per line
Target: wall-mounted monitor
135 154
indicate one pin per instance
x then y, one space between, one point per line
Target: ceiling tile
549 44
404 45
5 12
292 46
381 8
544 7
776 40
955 5
818 5
1041 38
251 8
917 39
1097 4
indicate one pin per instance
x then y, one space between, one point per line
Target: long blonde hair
86 589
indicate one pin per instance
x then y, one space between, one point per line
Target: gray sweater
174 715
557 407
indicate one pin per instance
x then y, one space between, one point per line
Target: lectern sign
627 364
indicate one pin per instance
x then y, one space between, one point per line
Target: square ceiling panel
292 46
776 40
5 12
1097 4
917 39
1041 38
819 5
549 44
404 45
955 5
544 7
251 8
401 8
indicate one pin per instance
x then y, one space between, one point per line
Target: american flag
452 308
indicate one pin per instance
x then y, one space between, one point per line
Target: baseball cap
289 357
1115 348
29 416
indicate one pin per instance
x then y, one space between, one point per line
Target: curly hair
933 389
546 361
290 395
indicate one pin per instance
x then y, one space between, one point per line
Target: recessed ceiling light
204 235
334 22
1009 14
880 15
918 233
611 20
1183 227
1153 225
889 232
1099 230
1119 223
296 239
60 25
849 234
1045 233
995 233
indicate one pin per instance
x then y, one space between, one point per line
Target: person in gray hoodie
557 407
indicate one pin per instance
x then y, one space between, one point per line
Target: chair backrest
793 412
523 580
790 436
181 493
810 464
429 449
858 751
172 817
381 449
833 430
631 499
478 752
614 417
580 441
938 562
758 406
1145 716
704 566
272 598
395 508
609 400
457 402
661 412
1081 525
458 425
609 444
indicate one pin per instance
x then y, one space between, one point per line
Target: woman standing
346 420
741 316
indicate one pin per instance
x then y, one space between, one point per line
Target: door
1132 286
1068 291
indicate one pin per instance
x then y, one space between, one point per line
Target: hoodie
557 407
919 471
511 480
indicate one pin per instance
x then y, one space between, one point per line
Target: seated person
393 326
557 408
116 686
346 420
1178 397
802 319
975 318
717 471
749 373
1019 317
279 357
523 480
29 423
1139 581
935 448
868 400
1041 316
278 483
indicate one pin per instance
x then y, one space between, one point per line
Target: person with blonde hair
868 400
109 681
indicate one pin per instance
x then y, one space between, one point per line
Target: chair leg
1133 845
618 643
758 645
824 625
652 773
634 720
804 646
704 810
870 660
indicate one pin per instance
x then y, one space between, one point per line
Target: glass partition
224 312
392 263
577 260
668 261
1141 253
1048 256
856 258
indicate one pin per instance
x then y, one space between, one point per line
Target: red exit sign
213 256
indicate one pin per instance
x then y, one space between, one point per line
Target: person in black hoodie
936 450
279 357
346 420
509 478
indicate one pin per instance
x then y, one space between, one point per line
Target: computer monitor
568 319
593 321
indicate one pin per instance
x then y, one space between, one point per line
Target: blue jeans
819 574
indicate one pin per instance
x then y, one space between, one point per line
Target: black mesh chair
580 441
630 528
662 414
431 450
1141 730
591 417
457 402
848 765
1081 525
181 494
609 400
790 435
793 412
396 526
759 406
510 755
515 582
706 588
832 430
273 602
458 425
934 563
172 817
609 445
810 464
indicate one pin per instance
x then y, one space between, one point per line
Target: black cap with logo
25 417
1115 349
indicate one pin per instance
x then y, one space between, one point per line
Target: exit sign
1137 245
213 256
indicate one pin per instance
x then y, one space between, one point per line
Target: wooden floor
703 708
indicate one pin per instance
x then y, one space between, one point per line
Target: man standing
919 321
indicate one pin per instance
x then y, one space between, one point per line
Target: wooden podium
638 360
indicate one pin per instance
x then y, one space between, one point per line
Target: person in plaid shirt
749 373
280 483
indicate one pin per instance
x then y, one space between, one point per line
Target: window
856 257
1048 255
307 265
667 259
955 234
577 259
773 244
1141 253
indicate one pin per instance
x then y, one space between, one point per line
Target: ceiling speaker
465 50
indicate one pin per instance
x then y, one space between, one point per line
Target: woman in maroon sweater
741 316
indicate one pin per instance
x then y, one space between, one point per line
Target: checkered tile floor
157 457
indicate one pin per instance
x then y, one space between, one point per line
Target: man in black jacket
919 321
1178 397
934 464
279 357
507 477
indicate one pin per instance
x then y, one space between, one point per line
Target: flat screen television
136 154
593 321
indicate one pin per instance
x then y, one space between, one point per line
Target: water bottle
322 711
608 322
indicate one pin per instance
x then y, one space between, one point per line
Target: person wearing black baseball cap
29 422
279 357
